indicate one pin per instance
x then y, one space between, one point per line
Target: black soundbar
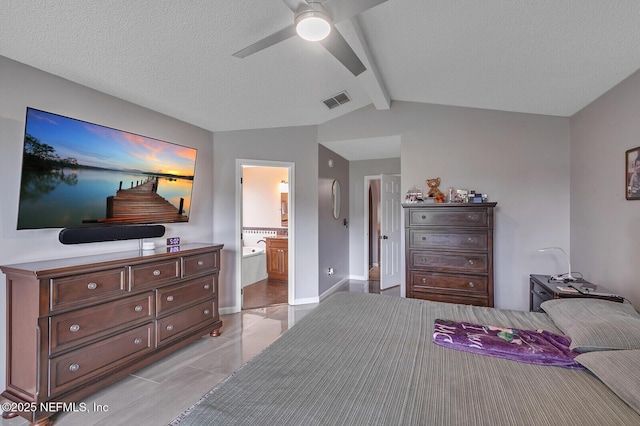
94 234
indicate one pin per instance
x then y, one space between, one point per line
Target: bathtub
254 265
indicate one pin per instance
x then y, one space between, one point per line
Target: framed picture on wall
632 174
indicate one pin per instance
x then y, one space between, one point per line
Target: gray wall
358 200
293 144
22 86
604 225
520 160
333 236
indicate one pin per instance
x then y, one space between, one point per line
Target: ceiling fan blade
295 5
344 9
274 38
338 47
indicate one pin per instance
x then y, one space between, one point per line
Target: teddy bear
434 192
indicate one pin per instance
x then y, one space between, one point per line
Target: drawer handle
470 261
424 238
424 281
92 286
470 239
170 327
206 312
200 262
74 328
138 308
424 216
156 272
74 367
169 298
207 286
472 216
471 284
137 341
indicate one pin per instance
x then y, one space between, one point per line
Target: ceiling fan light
313 25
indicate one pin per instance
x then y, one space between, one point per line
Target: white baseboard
334 288
359 277
306 301
229 310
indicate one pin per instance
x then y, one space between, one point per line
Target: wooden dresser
449 252
278 258
78 324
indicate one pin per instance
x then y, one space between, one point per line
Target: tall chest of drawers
76 325
449 252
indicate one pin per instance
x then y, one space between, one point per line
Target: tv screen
76 173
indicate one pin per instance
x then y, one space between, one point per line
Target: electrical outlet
330 271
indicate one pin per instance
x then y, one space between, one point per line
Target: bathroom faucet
261 241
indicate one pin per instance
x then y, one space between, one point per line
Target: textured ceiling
543 57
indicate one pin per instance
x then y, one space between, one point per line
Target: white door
390 211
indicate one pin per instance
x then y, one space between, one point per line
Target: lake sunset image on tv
76 173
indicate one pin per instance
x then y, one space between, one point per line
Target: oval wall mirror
335 199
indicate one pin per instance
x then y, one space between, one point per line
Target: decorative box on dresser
449 252
76 325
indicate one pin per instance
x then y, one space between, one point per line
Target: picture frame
632 174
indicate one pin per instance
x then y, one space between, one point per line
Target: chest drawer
180 295
200 263
77 327
466 217
420 238
449 261
84 364
77 290
467 284
153 274
175 325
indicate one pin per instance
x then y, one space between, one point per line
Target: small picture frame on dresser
632 174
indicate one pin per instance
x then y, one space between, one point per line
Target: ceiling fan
314 21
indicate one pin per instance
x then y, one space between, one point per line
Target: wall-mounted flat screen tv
76 173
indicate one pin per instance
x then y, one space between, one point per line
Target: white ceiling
549 57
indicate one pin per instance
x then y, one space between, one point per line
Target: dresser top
54 266
443 205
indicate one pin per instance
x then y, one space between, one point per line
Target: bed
366 359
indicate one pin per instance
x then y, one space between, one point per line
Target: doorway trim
240 163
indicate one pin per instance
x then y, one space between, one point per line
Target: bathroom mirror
335 199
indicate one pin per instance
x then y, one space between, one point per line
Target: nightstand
543 288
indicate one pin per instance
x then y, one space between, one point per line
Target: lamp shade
313 25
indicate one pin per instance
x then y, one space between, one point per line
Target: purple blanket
530 346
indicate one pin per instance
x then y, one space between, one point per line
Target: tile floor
158 393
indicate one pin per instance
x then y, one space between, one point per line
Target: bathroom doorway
266 219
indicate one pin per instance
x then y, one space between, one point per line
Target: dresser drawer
77 290
433 239
449 261
180 295
81 326
464 217
200 263
467 284
175 325
152 274
71 369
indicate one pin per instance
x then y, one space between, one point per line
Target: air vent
337 100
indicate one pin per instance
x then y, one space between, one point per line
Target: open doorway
383 234
265 222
